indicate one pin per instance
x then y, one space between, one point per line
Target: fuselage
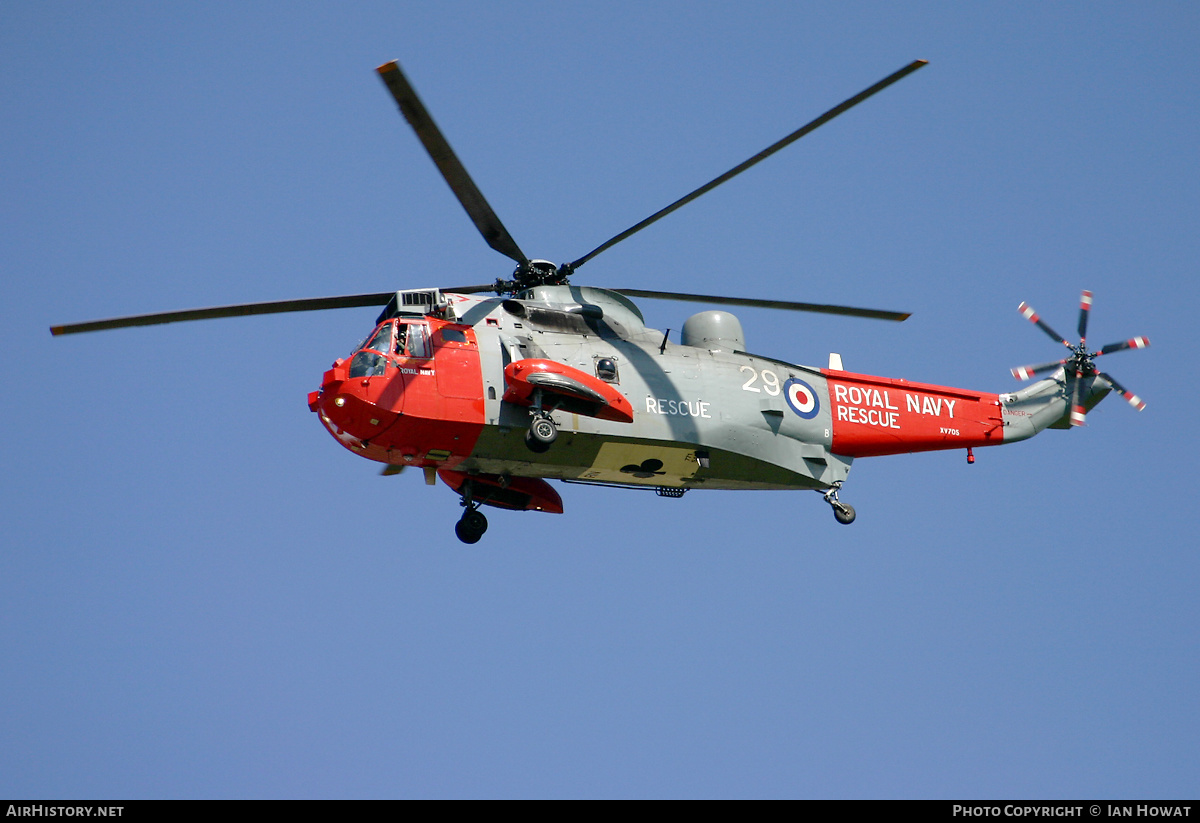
429 390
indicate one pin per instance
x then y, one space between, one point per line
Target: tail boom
874 416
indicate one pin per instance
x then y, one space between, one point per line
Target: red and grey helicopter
549 380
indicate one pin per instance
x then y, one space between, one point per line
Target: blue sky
203 595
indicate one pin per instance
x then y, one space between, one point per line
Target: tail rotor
1081 360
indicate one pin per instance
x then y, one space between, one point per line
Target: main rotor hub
534 273
540 273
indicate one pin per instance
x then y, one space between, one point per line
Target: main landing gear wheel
471 526
842 512
542 432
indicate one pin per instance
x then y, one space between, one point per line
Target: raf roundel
801 397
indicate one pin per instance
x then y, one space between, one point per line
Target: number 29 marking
770 380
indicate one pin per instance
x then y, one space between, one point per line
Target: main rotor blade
448 164
468 289
786 305
762 155
350 301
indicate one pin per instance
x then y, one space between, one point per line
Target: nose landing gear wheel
471 526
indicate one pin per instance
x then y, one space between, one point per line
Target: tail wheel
844 513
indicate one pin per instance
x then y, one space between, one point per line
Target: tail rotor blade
1129 396
1026 372
1029 314
1133 343
1078 412
1085 307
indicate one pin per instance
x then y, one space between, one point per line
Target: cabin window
454 336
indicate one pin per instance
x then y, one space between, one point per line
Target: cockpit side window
382 341
413 340
367 364
369 359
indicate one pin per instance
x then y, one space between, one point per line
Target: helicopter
549 380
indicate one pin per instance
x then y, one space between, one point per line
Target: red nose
347 405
